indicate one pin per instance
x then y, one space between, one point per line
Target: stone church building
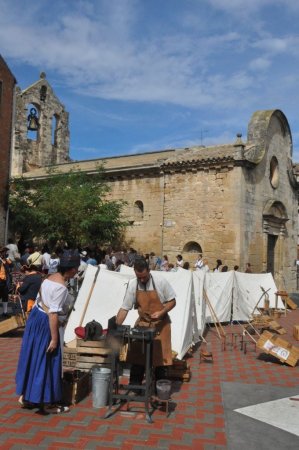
235 202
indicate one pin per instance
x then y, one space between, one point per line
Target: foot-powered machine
126 393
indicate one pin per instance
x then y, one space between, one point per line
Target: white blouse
54 295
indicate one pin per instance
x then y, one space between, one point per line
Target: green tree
70 206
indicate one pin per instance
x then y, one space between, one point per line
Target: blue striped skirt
38 376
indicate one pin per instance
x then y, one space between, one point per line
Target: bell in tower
32 120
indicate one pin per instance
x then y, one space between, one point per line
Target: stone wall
200 207
145 231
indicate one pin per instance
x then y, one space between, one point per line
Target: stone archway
192 247
274 229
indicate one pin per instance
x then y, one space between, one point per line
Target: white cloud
98 55
258 64
241 8
273 45
106 50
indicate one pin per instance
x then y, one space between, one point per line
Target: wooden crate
178 371
87 354
75 389
69 357
13 323
275 326
279 348
296 332
261 321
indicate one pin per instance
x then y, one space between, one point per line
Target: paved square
203 412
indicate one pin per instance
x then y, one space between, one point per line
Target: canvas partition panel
104 303
247 292
218 287
200 304
184 329
127 270
76 314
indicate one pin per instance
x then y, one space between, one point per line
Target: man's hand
121 315
166 308
158 314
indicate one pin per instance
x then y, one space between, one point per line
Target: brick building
7 88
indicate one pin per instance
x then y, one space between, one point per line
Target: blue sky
145 75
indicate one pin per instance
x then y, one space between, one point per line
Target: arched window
192 247
138 210
274 172
43 93
55 121
33 122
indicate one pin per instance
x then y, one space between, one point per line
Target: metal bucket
163 389
100 386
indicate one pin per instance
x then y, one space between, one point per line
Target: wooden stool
232 339
155 400
245 342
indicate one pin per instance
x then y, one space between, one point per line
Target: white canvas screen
218 287
200 305
247 292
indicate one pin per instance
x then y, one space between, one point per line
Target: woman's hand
52 346
53 322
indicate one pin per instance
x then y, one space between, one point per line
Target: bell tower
41 135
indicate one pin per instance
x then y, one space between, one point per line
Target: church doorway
274 226
272 240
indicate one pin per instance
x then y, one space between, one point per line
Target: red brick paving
197 421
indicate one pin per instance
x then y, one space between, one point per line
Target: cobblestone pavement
197 420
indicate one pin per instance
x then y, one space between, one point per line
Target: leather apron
147 303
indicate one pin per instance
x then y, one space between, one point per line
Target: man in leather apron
154 297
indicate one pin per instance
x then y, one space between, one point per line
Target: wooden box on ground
261 321
265 321
83 355
75 386
279 348
13 323
178 371
275 326
296 332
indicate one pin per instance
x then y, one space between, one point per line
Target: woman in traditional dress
38 377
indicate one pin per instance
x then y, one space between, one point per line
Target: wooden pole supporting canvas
89 296
214 316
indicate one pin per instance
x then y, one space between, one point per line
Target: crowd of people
35 261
